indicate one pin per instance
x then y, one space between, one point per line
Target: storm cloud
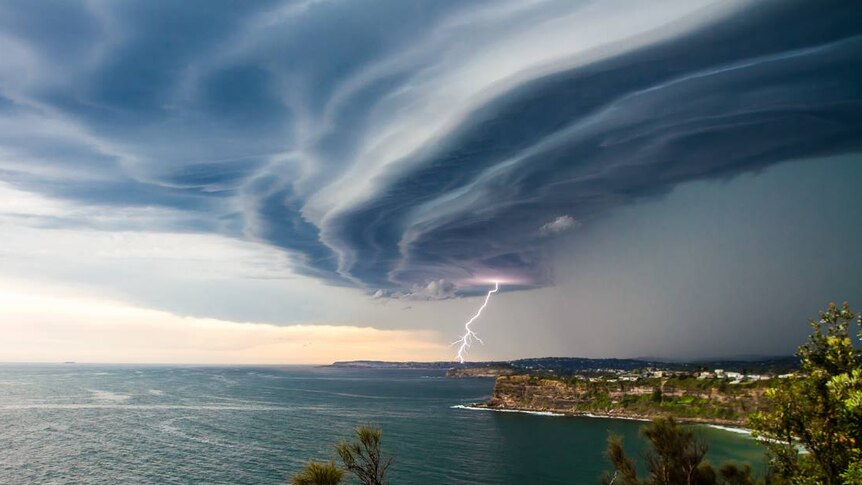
413 147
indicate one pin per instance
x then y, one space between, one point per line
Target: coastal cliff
688 400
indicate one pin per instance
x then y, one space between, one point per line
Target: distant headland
722 392
573 365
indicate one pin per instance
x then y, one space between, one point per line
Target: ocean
132 424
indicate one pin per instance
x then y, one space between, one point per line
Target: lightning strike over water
469 335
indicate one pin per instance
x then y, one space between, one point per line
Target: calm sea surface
87 424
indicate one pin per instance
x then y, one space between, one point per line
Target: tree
820 409
363 457
676 453
676 457
625 472
734 475
316 473
656 395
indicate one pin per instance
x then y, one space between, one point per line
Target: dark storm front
181 425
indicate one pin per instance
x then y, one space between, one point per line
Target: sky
286 182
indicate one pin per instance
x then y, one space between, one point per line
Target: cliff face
525 392
686 400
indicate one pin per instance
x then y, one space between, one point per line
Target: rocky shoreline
612 414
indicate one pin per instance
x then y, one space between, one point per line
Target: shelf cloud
411 148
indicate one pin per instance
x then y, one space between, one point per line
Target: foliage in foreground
821 410
316 473
362 457
676 457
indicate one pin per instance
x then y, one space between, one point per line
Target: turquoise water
87 424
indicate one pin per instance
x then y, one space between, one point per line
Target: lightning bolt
466 340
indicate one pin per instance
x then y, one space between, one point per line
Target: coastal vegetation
822 410
316 473
676 457
811 424
363 458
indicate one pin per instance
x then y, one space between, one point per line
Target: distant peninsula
563 366
722 392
